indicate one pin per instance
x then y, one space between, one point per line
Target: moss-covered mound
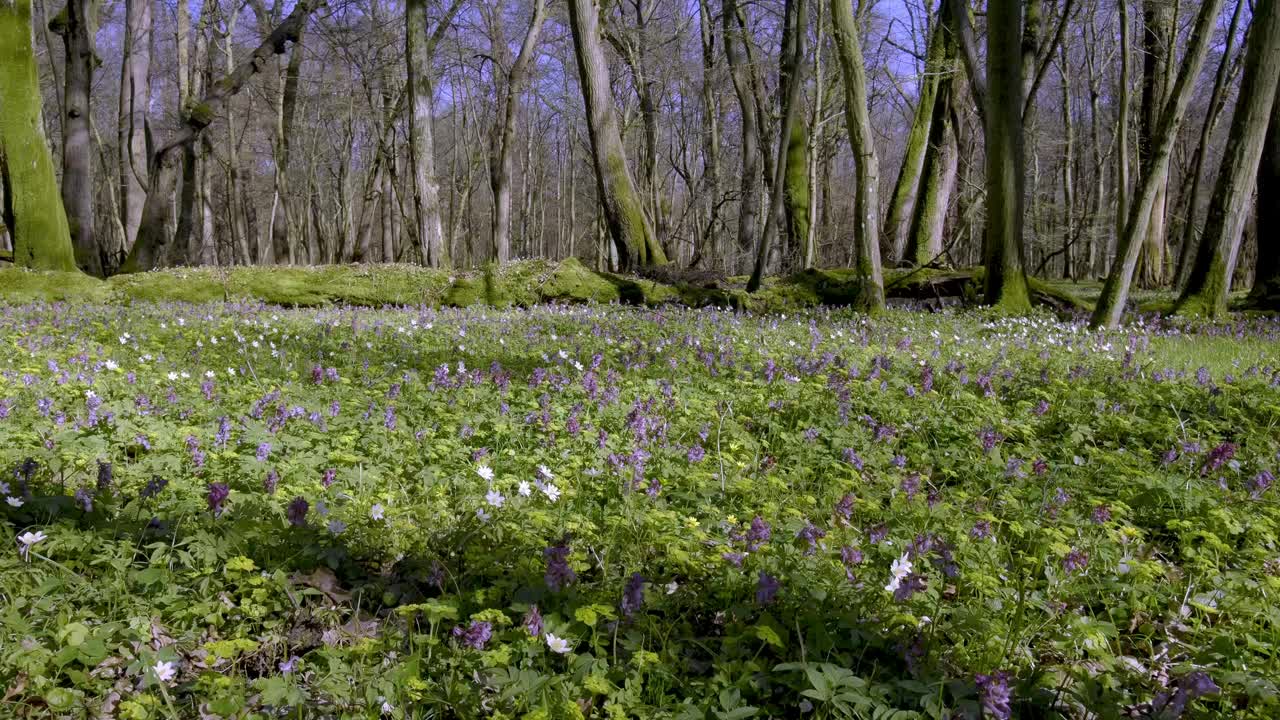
519 284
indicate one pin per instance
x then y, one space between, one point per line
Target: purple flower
153 487
989 439
329 476
1042 407
1218 457
981 530
271 481
993 692
476 636
1260 483
296 512
288 666
696 453
734 558
877 534
844 508
759 534
558 574
84 499
852 457
264 451
217 495
811 534
1075 561
909 586
105 476
767 588
911 485
533 621
1101 514
633 594
389 418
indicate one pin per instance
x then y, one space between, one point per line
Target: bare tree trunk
1158 30
426 195
78 24
790 114
1068 166
624 213
135 94
939 65
1116 291
749 203
149 247
1217 101
1125 93
1265 294
711 139
504 129
866 204
31 208
1001 94
1210 279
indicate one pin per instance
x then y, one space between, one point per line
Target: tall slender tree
1115 293
77 24
135 97
1265 294
1210 279
633 236
866 205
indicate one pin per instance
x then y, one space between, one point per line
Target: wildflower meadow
245 511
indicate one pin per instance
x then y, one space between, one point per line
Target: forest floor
218 509
522 284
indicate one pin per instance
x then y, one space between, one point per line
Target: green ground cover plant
235 510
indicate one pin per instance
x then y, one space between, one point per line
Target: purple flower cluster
475 636
995 696
216 496
558 574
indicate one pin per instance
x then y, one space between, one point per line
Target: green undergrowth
519 284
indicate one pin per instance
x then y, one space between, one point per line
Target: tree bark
796 180
1005 281
149 247
1210 279
749 202
866 204
135 95
628 225
1157 36
1115 293
790 115
939 66
32 208
1265 294
504 129
77 24
1217 102
426 198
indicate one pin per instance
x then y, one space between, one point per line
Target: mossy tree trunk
624 214
749 202
503 132
150 246
796 181
938 171
937 69
32 208
77 25
866 204
1266 283
1210 279
1115 293
1217 102
1005 280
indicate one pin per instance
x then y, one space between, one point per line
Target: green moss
192 286
571 281
18 285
